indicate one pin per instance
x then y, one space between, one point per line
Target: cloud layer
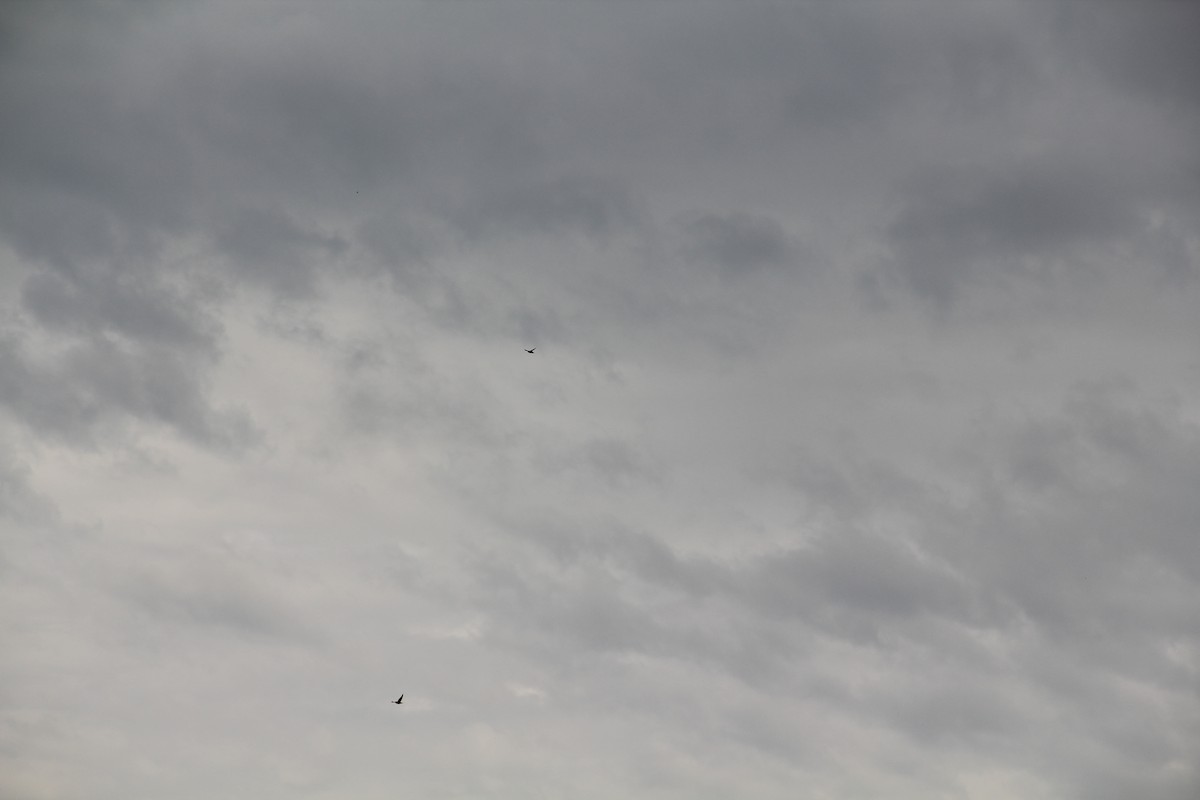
858 451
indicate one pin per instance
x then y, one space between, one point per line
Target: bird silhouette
530 350
398 702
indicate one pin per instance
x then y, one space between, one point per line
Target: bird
530 350
398 702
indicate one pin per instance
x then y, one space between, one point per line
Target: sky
858 456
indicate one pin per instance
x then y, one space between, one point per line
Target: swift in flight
398 702
530 350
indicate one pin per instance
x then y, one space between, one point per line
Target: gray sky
858 458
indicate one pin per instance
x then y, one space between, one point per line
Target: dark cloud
589 206
268 247
108 160
403 248
140 310
738 243
860 581
95 387
968 226
808 68
1145 50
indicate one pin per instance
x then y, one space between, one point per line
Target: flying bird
530 350
398 702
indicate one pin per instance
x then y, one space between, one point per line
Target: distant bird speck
398 702
530 350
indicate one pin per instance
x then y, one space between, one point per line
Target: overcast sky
859 456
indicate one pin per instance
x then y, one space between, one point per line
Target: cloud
590 206
969 226
273 452
132 305
738 243
1146 52
1007 601
1041 220
85 394
271 248
219 598
18 500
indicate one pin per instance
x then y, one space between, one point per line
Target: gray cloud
18 500
738 243
210 596
614 461
1147 52
93 386
137 309
273 249
565 204
1053 572
965 226
266 276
